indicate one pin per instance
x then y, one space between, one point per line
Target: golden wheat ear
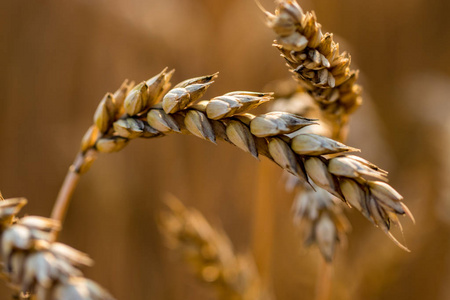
315 61
226 117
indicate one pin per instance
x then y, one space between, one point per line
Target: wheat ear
350 178
33 264
210 253
315 61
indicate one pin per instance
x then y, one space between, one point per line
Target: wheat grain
275 123
36 265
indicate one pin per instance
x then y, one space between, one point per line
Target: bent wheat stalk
152 110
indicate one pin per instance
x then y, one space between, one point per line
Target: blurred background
60 57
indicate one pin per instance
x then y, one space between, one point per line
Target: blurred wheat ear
210 254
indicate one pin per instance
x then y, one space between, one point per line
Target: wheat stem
65 194
82 160
263 232
323 284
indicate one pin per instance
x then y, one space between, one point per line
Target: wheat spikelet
36 265
210 253
301 156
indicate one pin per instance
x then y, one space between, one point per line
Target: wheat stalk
34 264
210 253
